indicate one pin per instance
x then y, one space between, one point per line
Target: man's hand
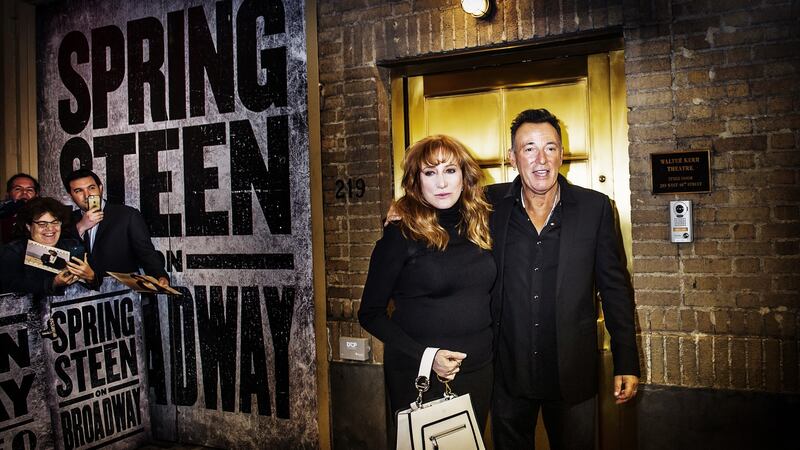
90 218
446 364
625 387
80 268
64 278
163 281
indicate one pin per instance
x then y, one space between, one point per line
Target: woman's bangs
436 153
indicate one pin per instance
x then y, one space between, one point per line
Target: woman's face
45 229
442 183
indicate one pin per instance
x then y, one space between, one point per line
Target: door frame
616 426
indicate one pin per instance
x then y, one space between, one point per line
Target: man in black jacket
554 244
116 236
19 189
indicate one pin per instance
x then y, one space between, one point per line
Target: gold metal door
586 92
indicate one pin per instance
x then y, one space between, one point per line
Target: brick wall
721 76
718 75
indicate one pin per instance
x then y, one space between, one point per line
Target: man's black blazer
590 257
122 243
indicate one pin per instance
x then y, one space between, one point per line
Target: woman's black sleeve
387 261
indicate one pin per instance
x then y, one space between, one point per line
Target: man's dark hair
534 116
10 182
81 173
37 207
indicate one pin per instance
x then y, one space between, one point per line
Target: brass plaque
681 172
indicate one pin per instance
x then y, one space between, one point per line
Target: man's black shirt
529 316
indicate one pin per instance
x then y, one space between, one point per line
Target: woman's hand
80 268
447 364
64 278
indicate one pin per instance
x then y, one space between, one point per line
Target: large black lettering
18 394
216 63
17 350
60 366
108 69
114 148
176 65
74 148
126 316
253 371
152 182
254 96
127 358
199 178
271 184
73 122
154 351
184 362
216 328
279 311
148 29
24 440
66 430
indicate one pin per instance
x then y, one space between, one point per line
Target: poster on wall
94 349
24 415
195 113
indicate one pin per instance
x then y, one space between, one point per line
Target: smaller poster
44 257
97 371
143 283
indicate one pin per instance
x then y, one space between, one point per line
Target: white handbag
446 423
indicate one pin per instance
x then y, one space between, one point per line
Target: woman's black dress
441 299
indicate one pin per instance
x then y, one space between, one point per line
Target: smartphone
93 201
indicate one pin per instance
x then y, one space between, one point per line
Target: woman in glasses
41 220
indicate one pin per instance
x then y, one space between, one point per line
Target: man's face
536 153
22 188
80 189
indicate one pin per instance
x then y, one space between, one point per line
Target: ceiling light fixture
477 8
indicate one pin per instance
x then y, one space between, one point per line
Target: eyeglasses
44 224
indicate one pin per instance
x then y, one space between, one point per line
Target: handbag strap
423 380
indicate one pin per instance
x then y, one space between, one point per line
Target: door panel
457 115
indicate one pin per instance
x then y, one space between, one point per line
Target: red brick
708 299
781 265
772 365
740 282
789 354
657 367
746 143
722 372
642 115
653 98
744 248
754 360
782 141
671 320
704 324
688 361
747 265
655 265
707 265
704 283
781 231
744 231
673 360
657 298
739 363
744 126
